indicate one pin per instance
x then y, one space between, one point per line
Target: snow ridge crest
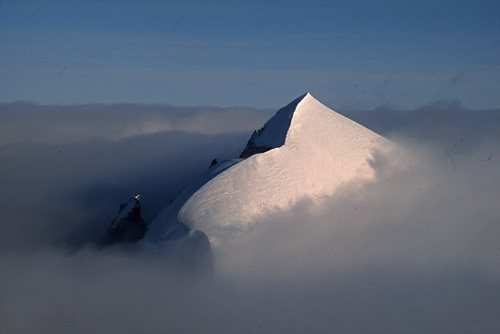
274 132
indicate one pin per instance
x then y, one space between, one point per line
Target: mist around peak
416 249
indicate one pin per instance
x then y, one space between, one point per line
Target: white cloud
416 251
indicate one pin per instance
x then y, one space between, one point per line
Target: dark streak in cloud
63 70
456 78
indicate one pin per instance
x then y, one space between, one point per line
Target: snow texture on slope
166 226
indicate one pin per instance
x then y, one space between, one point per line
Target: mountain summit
273 133
306 150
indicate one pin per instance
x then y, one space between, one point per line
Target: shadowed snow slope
309 151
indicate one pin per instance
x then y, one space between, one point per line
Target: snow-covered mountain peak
306 150
295 124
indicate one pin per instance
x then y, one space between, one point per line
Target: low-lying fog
417 251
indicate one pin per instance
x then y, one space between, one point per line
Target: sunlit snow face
322 150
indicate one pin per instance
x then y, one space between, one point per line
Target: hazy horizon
348 54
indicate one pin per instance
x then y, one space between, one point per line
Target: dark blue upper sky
349 54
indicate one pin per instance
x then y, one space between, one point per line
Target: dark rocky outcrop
128 227
252 148
273 133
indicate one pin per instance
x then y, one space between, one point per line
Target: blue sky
349 54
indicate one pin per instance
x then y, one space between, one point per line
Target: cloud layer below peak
415 251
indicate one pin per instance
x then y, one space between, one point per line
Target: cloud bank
416 251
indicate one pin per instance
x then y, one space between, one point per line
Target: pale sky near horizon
348 54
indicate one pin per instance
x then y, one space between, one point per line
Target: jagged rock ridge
273 133
128 226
